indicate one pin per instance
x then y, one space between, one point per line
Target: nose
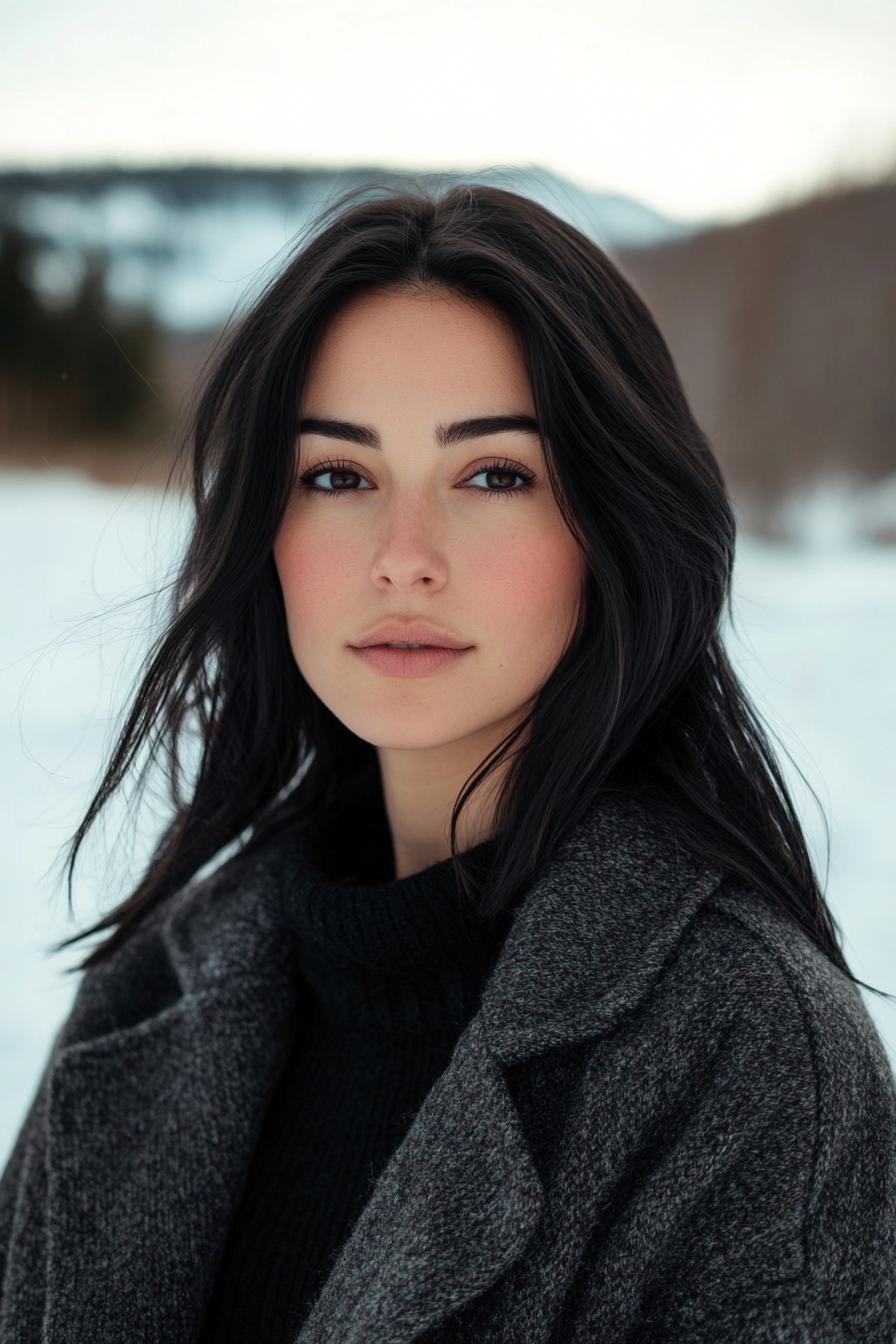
409 558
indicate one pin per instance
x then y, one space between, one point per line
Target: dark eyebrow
341 429
446 435
480 428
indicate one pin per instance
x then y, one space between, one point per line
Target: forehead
429 345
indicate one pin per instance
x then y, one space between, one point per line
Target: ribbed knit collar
404 945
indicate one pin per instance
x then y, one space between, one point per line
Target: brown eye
500 480
329 480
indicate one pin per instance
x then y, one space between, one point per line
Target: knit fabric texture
391 972
669 1121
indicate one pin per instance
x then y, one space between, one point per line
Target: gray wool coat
671 1120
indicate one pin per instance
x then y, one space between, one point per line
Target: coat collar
593 933
169 1110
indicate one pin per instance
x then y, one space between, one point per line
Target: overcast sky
698 107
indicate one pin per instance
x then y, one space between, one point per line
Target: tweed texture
670 1120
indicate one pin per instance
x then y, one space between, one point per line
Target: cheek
316 570
531 597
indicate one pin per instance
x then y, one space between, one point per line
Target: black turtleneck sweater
391 972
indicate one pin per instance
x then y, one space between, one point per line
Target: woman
518 1015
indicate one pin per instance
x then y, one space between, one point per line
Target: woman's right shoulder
149 970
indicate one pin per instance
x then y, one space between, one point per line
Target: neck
421 787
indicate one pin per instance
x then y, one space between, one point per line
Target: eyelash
308 478
503 466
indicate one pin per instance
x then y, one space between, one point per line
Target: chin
403 729
397 736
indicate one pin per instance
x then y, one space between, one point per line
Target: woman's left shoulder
750 1023
758 962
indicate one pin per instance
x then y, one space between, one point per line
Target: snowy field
815 639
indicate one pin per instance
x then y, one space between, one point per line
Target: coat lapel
454 1208
151 1129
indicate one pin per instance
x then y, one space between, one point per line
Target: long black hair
643 701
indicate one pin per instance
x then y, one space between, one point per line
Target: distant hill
188 243
784 329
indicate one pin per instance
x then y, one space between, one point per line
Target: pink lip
439 649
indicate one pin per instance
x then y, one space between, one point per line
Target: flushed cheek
318 575
526 594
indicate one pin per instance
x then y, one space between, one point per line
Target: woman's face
430 582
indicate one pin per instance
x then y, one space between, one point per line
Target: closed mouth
409 649
397 634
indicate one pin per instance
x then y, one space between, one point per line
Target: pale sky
697 107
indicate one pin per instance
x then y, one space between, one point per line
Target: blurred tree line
71 368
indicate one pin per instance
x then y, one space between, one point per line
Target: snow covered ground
816 640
